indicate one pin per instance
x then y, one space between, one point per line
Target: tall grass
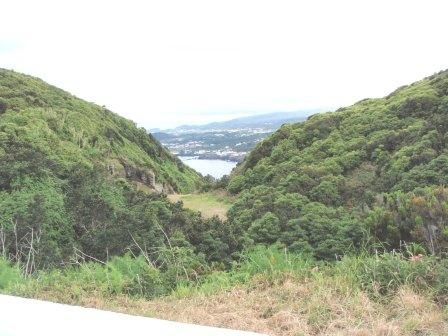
378 275
124 275
269 264
10 275
272 263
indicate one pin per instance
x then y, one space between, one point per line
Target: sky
171 62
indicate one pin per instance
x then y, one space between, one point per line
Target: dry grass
314 307
209 204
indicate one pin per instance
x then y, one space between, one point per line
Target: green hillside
338 225
78 182
70 131
373 171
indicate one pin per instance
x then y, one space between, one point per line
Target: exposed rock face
159 187
144 176
168 189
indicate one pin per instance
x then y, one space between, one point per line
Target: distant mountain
264 121
227 140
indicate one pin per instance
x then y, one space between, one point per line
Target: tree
326 192
236 184
265 230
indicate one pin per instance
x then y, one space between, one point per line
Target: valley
332 225
269 168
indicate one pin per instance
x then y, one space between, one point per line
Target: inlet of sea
215 168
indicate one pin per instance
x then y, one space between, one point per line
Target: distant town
230 140
229 145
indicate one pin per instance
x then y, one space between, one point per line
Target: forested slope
70 131
375 170
79 182
339 224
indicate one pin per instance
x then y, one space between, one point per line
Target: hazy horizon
165 64
222 118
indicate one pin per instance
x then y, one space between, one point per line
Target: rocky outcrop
144 176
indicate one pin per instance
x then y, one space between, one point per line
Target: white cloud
170 62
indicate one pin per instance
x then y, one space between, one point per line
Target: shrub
418 106
3 105
134 276
236 185
9 274
265 230
272 262
124 275
440 281
383 274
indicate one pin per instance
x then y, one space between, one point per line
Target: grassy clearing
208 204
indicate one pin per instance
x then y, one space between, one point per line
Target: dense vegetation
75 184
349 206
373 172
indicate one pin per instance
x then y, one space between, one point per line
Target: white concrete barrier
25 317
